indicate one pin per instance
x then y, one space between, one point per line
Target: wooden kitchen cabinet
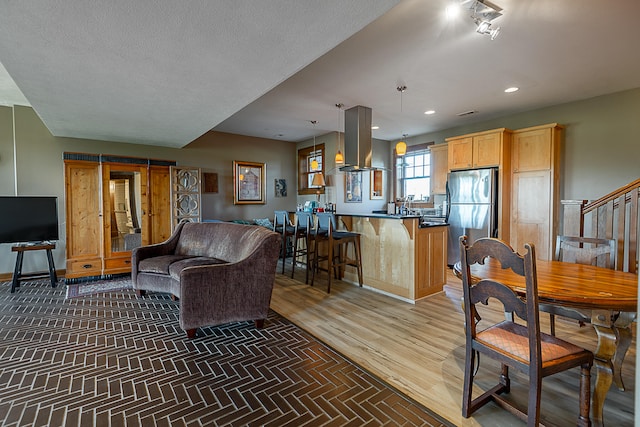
535 170
398 257
487 149
460 153
439 167
479 150
431 260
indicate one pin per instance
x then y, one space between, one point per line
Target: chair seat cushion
159 264
344 234
289 229
511 338
176 267
173 264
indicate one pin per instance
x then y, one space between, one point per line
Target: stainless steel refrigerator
472 207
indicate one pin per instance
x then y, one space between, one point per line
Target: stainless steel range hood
357 139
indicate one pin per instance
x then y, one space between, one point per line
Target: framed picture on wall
209 182
353 187
376 185
249 183
280 187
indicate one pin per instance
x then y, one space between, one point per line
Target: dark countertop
377 215
387 216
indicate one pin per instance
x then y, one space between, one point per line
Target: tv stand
17 272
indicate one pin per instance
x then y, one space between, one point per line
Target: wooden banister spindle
622 216
633 232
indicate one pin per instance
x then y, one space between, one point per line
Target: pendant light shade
318 180
339 157
314 162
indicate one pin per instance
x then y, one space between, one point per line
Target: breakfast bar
401 256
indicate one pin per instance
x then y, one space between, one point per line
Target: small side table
17 272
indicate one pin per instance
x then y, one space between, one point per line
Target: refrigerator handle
447 202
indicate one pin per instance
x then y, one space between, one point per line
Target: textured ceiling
164 72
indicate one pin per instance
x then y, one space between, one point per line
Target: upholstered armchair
221 272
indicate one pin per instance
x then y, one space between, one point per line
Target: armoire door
159 204
83 218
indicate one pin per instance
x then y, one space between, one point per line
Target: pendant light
314 162
401 146
339 157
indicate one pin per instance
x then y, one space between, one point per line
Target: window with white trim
413 172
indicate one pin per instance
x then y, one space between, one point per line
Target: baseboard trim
7 277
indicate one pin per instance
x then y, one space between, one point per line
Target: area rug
83 289
115 359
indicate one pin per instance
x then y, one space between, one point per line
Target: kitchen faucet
407 204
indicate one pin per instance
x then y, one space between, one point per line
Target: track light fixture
482 13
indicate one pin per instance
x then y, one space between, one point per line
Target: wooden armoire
113 204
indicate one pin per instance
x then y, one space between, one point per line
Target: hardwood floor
419 349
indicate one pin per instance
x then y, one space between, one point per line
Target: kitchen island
399 257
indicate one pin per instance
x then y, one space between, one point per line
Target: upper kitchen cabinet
460 153
478 150
535 171
488 149
439 165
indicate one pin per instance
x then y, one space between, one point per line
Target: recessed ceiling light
511 89
452 11
375 127
429 112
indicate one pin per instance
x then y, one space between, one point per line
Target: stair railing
614 216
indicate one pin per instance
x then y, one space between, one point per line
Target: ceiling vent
466 113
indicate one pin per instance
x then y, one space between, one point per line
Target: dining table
605 297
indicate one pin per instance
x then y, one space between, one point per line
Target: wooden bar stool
337 245
303 231
282 225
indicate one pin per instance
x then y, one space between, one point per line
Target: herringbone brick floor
115 360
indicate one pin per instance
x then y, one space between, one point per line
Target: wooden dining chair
586 250
580 250
514 345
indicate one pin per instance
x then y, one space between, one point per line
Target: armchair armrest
143 252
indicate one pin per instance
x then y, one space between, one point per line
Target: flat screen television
28 219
